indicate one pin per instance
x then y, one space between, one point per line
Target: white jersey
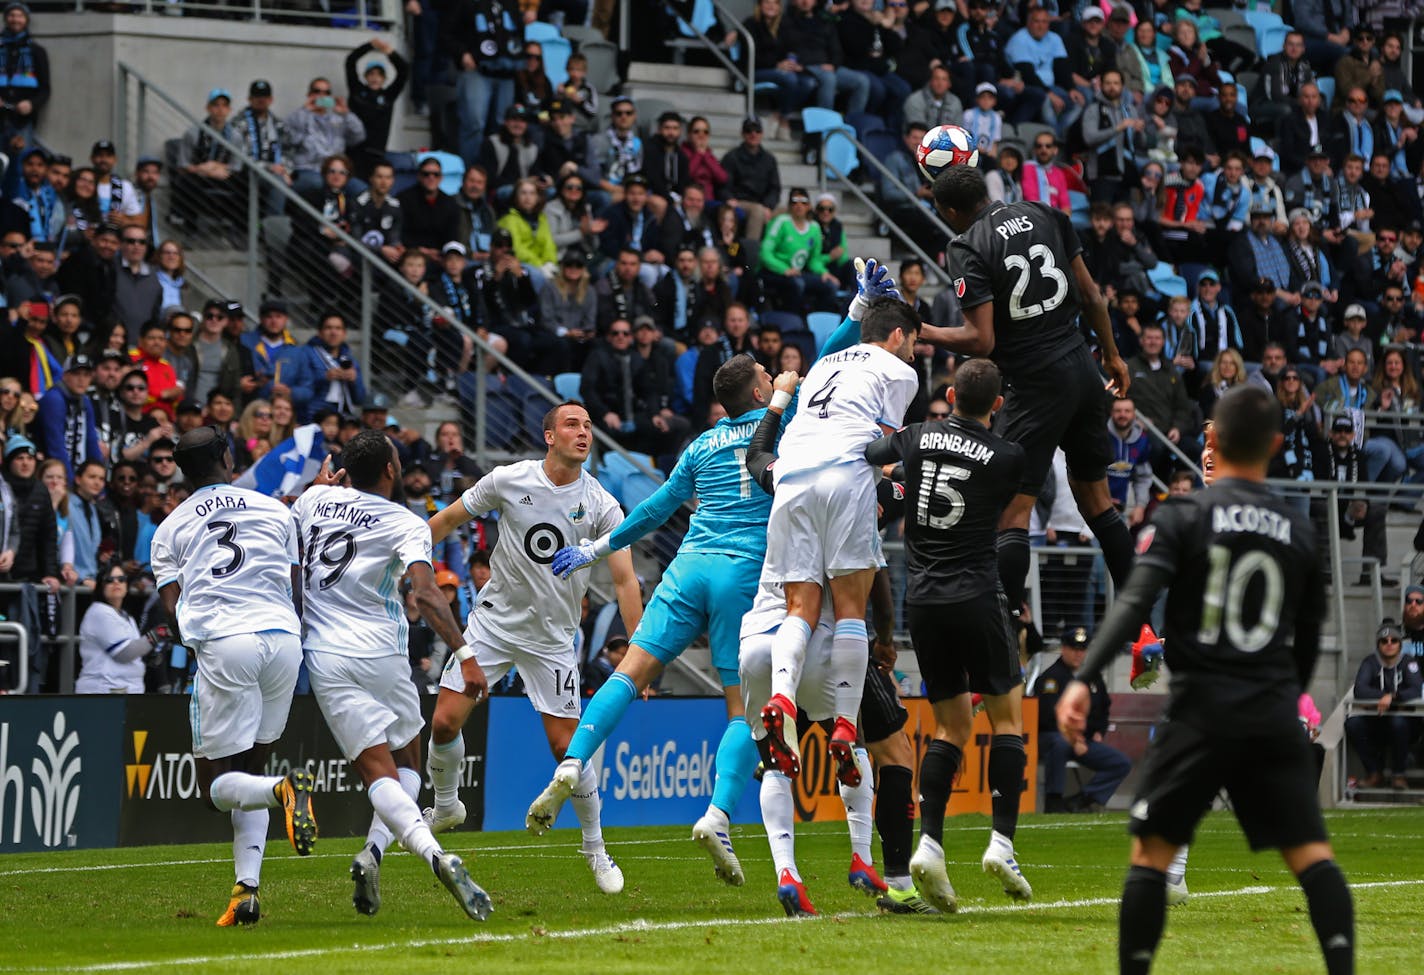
769 609
103 632
844 400
357 546
524 605
231 551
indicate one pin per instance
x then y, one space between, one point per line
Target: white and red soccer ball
944 146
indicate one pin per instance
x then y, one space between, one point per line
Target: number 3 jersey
1018 256
524 605
231 551
1245 573
958 479
356 547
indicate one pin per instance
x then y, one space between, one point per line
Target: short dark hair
733 383
215 393
1107 71
960 188
884 315
551 418
199 452
365 457
1247 419
383 163
1154 324
150 326
910 262
977 384
1181 476
85 465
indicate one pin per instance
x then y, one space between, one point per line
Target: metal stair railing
361 15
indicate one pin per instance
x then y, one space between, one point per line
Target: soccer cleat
864 878
712 837
842 749
1006 868
1146 659
439 820
545 809
1177 893
792 894
895 901
931 876
779 714
605 872
452 873
366 874
242 908
295 794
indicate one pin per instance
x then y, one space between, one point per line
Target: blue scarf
17 61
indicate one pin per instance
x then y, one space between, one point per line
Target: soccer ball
944 146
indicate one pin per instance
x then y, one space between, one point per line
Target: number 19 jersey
231 551
356 548
1017 255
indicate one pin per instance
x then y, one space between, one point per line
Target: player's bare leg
578 782
445 760
788 655
849 648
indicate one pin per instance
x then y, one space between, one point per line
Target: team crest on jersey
1144 539
959 287
898 490
577 515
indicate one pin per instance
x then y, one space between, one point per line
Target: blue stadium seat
822 324
839 154
864 123
1166 280
541 32
1079 204
1273 40
1327 90
556 60
566 384
628 482
704 16
784 320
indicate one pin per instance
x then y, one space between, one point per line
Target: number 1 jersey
1018 256
356 547
231 551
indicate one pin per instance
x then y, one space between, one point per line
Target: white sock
402 817
445 763
378 835
788 655
249 839
589 809
240 790
718 817
778 815
998 841
849 650
900 882
1177 872
858 801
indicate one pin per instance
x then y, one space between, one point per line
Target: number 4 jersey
1017 255
231 551
356 546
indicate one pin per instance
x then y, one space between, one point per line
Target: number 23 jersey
1019 256
231 551
356 548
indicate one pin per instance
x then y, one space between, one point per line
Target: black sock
1007 759
1141 919
895 818
1115 541
937 771
1332 912
1013 565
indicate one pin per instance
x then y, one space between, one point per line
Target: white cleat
605 872
545 809
711 835
1177 893
1006 868
439 820
931 877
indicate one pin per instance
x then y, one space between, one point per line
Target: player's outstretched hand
326 477
571 558
873 280
1072 712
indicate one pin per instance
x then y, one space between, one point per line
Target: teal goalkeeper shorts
700 593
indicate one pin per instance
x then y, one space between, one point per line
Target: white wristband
463 653
858 307
603 546
780 399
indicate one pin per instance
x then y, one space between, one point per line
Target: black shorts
1064 406
1271 781
881 713
966 646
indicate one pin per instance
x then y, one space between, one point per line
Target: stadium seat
864 123
1028 131
1241 34
556 60
881 145
822 324
566 384
838 153
784 320
539 31
1327 91
1166 280
1079 204
579 35
648 111
602 64
1273 40
1228 16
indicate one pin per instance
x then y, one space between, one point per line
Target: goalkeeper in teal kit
707 588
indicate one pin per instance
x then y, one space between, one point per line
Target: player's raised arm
477 500
1095 309
761 451
435 610
974 337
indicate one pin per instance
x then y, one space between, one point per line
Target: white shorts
816 694
552 682
823 525
367 701
243 691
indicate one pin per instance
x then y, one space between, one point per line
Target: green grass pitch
153 908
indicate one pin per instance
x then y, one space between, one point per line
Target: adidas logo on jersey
526 500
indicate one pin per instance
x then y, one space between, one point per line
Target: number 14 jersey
1018 256
231 551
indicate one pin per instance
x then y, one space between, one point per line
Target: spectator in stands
115 194
872 47
793 266
1348 395
738 254
1304 331
28 357
264 139
91 274
1400 323
1304 450
448 465
37 208
170 268
316 251
1353 337
686 222
109 367
736 339
1041 59
164 388
983 122
1359 68
622 293
1413 621
934 104
513 306
1227 370
207 181
1144 65
429 217
664 165
676 296
66 431
631 226
753 178
254 433
24 68
376 217
335 379
1216 324
137 430
568 306
1005 183
713 294
509 155
1109 765
703 167
1388 679
567 151
1303 128
1227 129
373 101
1345 464
1351 131
1186 211
1391 48
1315 191
138 294
777 64
1130 472
217 363
833 242
1258 254
571 221
485 41
1283 77
1395 391
618 150
470 215
1191 123
1387 195
1113 136
1090 53
111 648
449 289
1399 137
580 93
1045 180
279 364
66 335
630 395
34 278
1158 388
90 520
323 127
180 353
811 37
910 211
529 229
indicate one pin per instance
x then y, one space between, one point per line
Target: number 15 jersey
231 551
1018 256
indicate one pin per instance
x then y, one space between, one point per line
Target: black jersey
1018 256
958 479
1245 575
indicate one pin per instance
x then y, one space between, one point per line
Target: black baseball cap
80 360
501 238
1263 285
751 124
637 179
1342 423
272 306
114 355
259 88
103 146
1077 638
